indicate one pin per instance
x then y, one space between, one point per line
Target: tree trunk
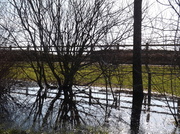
137 70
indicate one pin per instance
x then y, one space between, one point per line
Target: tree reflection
66 110
60 112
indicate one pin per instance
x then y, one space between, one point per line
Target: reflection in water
136 111
4 113
176 130
147 106
55 112
12 113
66 114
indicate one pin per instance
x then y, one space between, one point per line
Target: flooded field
101 110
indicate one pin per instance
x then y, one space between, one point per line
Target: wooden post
119 99
26 91
115 102
178 110
10 47
149 96
90 94
28 47
148 117
149 90
147 48
118 46
145 98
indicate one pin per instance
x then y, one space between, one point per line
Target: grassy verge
85 130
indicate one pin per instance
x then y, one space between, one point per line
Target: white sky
155 16
164 18
160 21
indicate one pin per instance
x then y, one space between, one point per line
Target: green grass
163 78
81 130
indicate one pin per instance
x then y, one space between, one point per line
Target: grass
163 78
81 130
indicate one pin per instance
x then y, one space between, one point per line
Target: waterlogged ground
117 121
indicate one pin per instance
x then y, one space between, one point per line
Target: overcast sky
157 16
159 21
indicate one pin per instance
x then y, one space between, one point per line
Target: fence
157 104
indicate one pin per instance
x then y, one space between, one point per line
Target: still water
114 120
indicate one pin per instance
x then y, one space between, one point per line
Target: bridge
114 54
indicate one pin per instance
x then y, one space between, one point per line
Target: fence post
10 47
90 94
149 76
26 91
145 98
118 46
178 109
148 117
28 47
115 102
149 96
149 90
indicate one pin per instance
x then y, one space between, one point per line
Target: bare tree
172 21
174 4
164 27
71 30
173 7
